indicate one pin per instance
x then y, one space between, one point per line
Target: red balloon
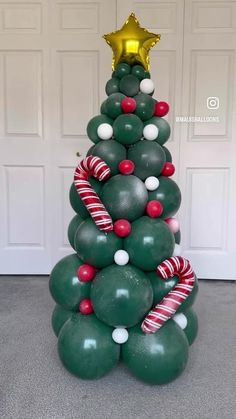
85 306
161 109
154 209
126 167
168 169
128 104
122 228
86 272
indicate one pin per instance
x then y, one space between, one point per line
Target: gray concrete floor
34 384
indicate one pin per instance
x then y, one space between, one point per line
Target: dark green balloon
163 127
144 106
89 152
129 85
94 246
147 75
161 287
121 295
103 107
177 237
86 347
138 71
111 152
122 69
148 157
191 329
168 193
156 358
168 154
94 124
128 129
77 203
113 105
59 316
149 243
74 224
65 287
112 86
124 197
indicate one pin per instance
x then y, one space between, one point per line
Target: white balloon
151 183
105 131
181 320
173 224
121 257
150 132
146 86
177 250
120 335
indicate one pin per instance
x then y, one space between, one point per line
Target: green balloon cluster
104 291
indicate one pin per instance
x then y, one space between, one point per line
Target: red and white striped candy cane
171 302
96 167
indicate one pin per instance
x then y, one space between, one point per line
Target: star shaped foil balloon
131 43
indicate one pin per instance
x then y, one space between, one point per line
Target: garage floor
34 384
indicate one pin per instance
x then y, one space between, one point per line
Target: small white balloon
177 250
105 131
120 335
150 132
173 224
151 183
147 86
121 257
181 320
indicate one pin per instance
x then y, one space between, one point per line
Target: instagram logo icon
213 102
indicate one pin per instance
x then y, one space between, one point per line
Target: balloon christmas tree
126 293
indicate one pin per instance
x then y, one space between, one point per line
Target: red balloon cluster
86 272
122 228
126 167
168 169
128 105
154 208
161 109
85 306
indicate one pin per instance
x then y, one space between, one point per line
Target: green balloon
103 107
144 106
65 287
129 85
148 157
94 124
113 105
128 129
147 75
161 287
168 193
156 358
77 203
59 316
121 295
138 71
168 154
177 237
149 243
86 347
74 224
112 86
94 246
163 129
191 329
124 197
111 152
122 69
89 152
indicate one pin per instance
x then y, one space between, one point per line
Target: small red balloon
85 306
126 167
128 105
154 209
168 169
161 109
122 228
86 272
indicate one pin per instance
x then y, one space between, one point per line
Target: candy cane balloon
171 302
96 167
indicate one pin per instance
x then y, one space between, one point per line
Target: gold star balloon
131 43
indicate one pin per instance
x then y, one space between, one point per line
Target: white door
54 66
